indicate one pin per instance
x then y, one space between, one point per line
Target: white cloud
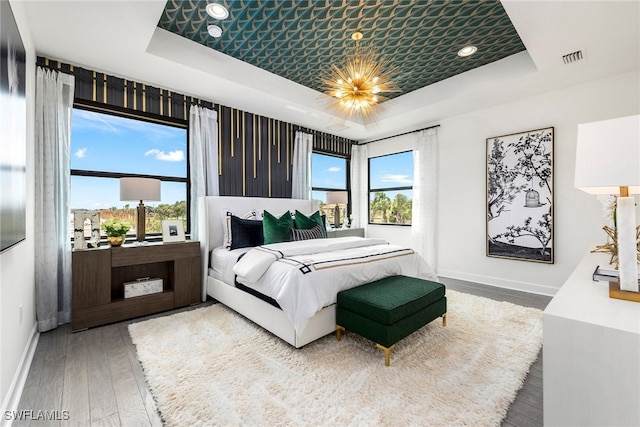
397 179
80 153
334 169
171 156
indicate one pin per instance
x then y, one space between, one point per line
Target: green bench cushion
391 299
387 335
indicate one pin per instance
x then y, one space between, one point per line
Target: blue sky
328 171
109 143
391 171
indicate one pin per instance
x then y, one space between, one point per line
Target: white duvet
305 276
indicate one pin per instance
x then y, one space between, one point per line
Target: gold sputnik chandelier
358 86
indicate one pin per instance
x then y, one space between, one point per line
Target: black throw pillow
245 233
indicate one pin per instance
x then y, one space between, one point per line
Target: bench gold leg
339 330
444 319
387 353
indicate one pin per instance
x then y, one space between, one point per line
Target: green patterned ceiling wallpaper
297 39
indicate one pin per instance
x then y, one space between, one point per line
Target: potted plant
116 230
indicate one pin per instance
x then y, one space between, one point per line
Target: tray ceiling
299 40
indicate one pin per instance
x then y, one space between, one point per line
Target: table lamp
608 162
338 198
147 189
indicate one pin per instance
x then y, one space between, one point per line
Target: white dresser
591 353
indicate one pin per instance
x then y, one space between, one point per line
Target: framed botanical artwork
520 196
172 231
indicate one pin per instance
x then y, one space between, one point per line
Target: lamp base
140 228
617 293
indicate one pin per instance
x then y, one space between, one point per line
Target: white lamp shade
337 197
140 189
608 156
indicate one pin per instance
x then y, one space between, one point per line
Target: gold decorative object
612 246
358 85
617 293
115 240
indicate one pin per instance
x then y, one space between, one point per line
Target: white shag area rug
211 366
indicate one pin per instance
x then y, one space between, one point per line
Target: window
391 188
106 147
328 173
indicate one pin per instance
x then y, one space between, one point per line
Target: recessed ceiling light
217 11
214 31
467 51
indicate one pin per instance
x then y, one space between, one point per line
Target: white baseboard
534 288
12 399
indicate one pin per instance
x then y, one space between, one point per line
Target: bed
230 279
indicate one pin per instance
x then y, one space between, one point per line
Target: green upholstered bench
390 309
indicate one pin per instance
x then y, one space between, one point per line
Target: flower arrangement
115 227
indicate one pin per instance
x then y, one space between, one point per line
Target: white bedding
303 277
222 262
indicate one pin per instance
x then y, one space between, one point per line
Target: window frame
384 189
146 117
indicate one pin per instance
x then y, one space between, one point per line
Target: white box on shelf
143 286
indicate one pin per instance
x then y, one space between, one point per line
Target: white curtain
359 186
203 159
301 174
425 187
54 103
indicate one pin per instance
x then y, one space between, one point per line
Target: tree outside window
391 189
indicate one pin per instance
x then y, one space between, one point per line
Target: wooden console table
591 353
98 277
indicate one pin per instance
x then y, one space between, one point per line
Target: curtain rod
400 134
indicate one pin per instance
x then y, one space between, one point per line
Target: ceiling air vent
572 57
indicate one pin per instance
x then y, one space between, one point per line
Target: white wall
17 271
462 183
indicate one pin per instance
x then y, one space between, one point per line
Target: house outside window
329 173
391 189
106 146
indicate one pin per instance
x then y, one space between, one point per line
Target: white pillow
226 214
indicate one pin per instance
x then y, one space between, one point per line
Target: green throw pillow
277 230
304 222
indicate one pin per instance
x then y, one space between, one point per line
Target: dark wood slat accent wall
256 152
114 91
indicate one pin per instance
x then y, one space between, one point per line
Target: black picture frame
520 196
13 142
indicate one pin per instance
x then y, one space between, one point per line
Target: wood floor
93 378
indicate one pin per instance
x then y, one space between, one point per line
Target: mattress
221 263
